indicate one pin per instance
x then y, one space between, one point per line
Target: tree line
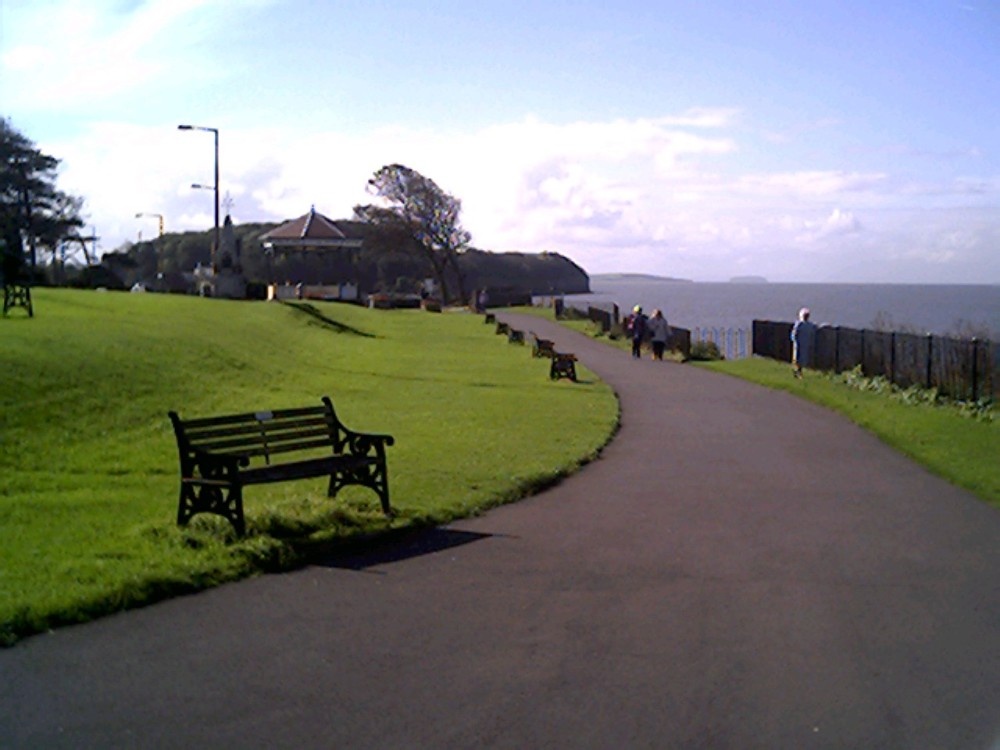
411 231
378 266
35 216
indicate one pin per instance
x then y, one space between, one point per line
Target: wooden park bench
221 455
541 347
515 337
563 366
490 319
503 328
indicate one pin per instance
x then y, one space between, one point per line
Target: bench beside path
739 569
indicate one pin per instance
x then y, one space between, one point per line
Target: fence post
975 367
892 357
864 370
930 356
836 350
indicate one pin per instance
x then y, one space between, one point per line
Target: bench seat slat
257 451
317 467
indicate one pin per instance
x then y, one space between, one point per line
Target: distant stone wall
342 292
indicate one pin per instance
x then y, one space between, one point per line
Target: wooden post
892 357
975 368
930 357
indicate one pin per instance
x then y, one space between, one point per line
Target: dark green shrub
573 313
705 351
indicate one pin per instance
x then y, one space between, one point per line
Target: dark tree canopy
32 209
415 207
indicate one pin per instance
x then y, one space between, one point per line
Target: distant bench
541 347
563 366
17 295
219 456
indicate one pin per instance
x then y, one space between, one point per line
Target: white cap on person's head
803 313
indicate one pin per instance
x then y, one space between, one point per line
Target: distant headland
634 277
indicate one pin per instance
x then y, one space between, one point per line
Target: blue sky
821 141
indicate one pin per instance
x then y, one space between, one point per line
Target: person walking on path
637 328
659 331
803 342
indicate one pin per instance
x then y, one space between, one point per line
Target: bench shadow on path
410 545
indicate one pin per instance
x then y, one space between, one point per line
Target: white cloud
81 53
813 183
838 223
797 131
704 117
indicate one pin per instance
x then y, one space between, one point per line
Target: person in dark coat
638 324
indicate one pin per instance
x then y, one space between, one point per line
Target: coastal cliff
524 273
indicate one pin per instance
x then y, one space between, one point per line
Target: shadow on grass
312 312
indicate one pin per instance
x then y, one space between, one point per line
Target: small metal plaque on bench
263 416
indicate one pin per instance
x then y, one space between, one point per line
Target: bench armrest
209 465
362 443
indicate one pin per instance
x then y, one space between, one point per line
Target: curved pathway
740 569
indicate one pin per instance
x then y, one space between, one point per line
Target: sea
960 310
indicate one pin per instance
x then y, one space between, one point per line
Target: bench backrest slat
245 443
267 433
275 415
251 430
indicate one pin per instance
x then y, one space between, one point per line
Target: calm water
941 308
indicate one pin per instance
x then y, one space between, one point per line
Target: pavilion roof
313 230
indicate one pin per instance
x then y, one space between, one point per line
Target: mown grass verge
88 462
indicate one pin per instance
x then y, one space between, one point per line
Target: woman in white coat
803 342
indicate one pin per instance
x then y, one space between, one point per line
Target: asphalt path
740 569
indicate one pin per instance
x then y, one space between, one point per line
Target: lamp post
215 132
156 246
154 216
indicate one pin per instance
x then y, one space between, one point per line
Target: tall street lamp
215 132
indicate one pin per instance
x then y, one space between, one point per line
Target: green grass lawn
88 461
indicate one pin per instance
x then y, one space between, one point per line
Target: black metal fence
960 368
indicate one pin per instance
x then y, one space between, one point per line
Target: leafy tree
31 207
418 209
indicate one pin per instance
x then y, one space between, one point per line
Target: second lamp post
215 132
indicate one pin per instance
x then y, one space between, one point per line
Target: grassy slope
88 460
